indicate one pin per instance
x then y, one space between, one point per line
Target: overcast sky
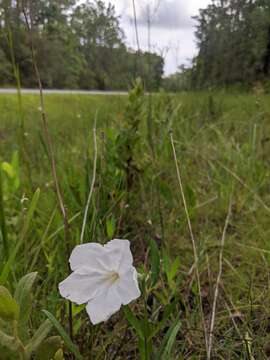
172 32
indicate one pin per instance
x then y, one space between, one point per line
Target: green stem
146 330
2 219
20 346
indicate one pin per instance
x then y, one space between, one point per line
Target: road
63 92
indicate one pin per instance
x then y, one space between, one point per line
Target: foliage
15 340
222 146
76 46
233 38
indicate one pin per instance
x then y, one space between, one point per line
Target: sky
172 27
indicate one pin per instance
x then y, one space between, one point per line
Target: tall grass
222 143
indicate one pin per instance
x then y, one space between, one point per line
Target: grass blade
8 266
2 219
73 348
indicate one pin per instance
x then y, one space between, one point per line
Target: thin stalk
92 183
195 254
20 346
136 25
16 74
214 307
51 157
2 220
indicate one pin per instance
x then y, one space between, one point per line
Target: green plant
15 338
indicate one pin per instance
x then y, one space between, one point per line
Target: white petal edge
91 255
102 307
120 254
127 287
82 288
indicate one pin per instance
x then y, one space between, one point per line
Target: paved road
64 92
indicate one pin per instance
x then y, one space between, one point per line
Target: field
221 143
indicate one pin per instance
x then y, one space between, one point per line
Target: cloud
166 14
172 27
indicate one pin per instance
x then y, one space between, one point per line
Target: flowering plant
103 277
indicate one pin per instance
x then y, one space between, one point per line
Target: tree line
233 39
77 45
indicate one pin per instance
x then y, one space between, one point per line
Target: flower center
113 277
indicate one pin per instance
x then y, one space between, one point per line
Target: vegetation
76 46
233 39
236 33
184 177
221 146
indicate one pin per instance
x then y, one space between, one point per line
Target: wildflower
103 277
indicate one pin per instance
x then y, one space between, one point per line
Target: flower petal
81 288
120 254
91 255
102 307
127 287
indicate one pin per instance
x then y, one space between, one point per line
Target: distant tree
77 45
233 41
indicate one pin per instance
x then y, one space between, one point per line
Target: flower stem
20 346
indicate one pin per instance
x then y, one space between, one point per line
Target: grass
222 145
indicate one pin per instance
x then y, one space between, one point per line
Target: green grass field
222 142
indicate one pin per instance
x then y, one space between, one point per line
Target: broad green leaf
39 336
134 322
8 265
72 347
9 309
48 349
23 295
155 262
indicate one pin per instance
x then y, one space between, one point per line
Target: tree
76 45
233 41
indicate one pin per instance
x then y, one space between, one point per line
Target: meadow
210 149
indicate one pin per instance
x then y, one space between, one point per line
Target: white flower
103 277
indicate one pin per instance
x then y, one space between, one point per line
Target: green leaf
15 165
142 349
8 169
39 336
8 342
169 340
110 227
161 324
166 262
134 322
9 309
48 349
72 347
8 265
173 269
3 227
155 262
23 296
190 196
59 355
